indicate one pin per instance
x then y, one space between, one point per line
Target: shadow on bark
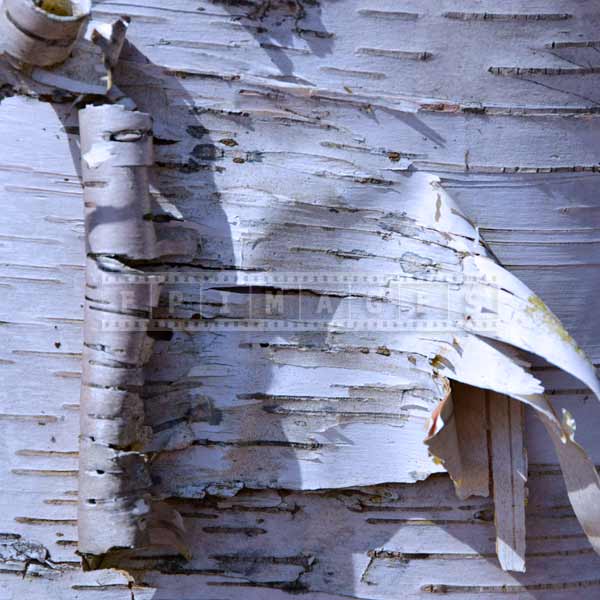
276 542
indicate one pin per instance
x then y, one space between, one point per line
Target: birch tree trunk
290 134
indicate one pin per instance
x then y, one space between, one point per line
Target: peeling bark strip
509 468
114 482
465 434
42 33
529 328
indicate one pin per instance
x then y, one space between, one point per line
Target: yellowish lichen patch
60 8
538 308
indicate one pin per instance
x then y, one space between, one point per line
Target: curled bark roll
114 486
116 151
42 33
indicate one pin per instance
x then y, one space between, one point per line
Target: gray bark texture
361 139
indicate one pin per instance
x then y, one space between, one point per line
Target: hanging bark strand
463 441
42 35
509 468
114 482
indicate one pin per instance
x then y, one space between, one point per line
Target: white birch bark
288 134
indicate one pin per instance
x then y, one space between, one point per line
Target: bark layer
532 192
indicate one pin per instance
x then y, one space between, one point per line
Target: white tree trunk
289 133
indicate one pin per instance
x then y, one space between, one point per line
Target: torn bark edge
110 38
34 36
579 473
116 511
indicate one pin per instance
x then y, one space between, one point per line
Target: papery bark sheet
521 320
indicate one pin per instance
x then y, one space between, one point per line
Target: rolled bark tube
116 151
114 481
41 34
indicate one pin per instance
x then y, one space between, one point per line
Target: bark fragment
42 33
